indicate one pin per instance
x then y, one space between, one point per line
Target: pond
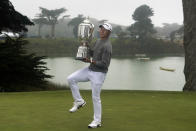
126 73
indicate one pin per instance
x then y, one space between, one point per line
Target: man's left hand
89 61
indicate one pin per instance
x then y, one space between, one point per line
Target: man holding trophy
99 57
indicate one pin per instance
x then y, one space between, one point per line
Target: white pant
96 79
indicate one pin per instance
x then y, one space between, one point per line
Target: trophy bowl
85 33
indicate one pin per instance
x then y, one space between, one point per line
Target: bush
121 47
150 46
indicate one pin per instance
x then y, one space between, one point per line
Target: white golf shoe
94 124
77 105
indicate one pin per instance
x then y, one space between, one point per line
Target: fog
118 11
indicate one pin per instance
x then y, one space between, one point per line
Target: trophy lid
86 22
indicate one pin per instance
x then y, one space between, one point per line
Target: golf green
122 111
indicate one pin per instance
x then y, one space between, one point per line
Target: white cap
107 26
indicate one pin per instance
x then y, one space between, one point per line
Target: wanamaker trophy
85 34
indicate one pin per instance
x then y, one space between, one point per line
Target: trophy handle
84 44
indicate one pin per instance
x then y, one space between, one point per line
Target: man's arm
104 62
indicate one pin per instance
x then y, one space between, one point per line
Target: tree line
67 27
67 47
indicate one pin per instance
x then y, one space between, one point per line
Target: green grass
122 111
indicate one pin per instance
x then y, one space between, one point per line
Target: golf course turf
122 111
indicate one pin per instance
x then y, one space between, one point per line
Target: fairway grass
122 111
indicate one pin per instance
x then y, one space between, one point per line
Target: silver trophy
85 33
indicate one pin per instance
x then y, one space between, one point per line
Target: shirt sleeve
91 49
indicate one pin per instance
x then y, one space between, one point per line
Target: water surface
126 73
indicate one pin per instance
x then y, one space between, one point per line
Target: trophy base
80 58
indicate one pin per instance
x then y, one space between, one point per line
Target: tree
102 21
167 29
143 26
179 31
172 36
75 22
40 22
117 30
11 19
122 35
52 17
190 44
18 69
